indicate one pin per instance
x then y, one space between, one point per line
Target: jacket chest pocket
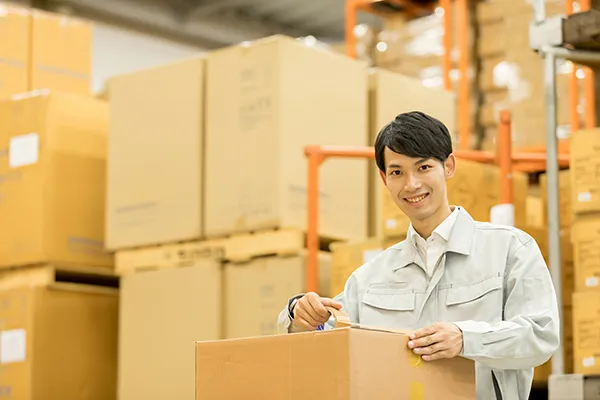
391 310
481 301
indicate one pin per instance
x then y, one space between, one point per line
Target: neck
426 227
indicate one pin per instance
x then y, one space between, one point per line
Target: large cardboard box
162 313
14 52
61 53
58 342
340 364
475 186
256 291
156 162
347 257
585 164
585 236
391 94
53 180
573 387
586 325
281 96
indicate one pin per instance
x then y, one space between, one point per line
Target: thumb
331 303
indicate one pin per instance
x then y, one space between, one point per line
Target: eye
424 167
395 172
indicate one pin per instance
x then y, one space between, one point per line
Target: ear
450 166
382 175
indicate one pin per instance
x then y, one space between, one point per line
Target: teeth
416 199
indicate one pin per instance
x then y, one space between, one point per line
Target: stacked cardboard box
46 51
585 201
511 75
215 152
53 266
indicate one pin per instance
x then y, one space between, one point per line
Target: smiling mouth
416 199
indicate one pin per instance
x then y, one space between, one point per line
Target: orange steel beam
464 103
504 150
447 41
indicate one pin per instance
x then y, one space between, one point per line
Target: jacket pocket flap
394 302
465 294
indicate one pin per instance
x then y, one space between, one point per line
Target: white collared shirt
434 247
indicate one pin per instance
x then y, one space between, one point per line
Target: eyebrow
418 162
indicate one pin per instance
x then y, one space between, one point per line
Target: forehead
392 157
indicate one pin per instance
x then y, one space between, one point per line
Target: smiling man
466 288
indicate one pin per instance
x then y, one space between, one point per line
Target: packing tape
417 391
415 360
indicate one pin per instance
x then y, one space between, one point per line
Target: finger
319 312
430 330
426 341
331 303
434 348
303 314
438 356
305 324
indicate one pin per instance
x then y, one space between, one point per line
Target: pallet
237 249
47 275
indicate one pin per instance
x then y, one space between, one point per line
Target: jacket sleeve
530 331
349 301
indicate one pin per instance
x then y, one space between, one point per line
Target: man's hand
443 340
310 312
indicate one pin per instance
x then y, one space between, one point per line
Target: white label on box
584 196
503 214
12 346
592 281
391 223
589 362
368 255
23 150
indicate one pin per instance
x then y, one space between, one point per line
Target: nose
412 183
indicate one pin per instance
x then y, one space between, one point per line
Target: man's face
417 186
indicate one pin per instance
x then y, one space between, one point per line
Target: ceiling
214 23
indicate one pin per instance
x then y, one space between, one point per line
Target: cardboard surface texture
14 54
49 347
52 180
347 257
275 109
586 332
585 171
165 121
340 364
585 236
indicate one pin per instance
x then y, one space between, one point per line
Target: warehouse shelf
546 36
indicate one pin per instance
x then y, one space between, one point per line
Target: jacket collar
460 240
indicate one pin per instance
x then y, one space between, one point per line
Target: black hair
416 135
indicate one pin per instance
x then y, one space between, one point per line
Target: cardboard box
53 180
586 332
61 53
341 364
573 387
161 313
256 291
584 167
564 198
475 186
59 342
391 94
347 257
14 53
159 110
535 212
282 96
585 236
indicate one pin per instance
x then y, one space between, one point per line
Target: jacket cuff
471 335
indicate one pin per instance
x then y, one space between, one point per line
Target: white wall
117 51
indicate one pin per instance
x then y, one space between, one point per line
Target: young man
470 289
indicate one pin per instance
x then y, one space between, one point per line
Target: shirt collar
443 230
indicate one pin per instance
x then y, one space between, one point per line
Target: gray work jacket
492 282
